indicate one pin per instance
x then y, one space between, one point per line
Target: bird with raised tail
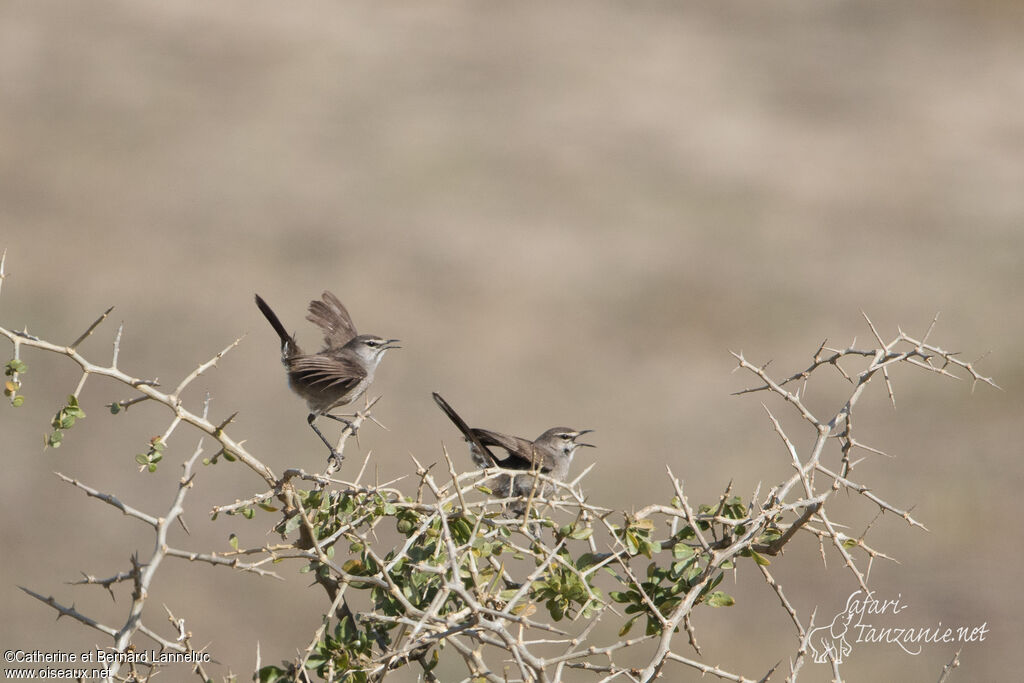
337 374
551 453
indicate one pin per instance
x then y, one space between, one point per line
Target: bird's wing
331 316
326 373
524 454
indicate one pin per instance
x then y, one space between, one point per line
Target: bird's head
371 348
563 439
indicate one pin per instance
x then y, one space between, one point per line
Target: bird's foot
349 424
334 461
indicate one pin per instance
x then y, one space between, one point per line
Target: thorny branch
513 598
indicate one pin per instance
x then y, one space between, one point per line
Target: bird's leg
348 423
335 455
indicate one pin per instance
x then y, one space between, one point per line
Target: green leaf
681 551
632 546
17 401
645 524
233 540
14 366
760 559
289 525
272 674
720 599
587 560
628 625
115 408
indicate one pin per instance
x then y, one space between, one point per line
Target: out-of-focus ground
569 213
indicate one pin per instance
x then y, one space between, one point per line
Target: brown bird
341 371
551 452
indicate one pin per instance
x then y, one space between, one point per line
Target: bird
337 374
551 453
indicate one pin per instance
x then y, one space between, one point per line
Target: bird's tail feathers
287 340
480 453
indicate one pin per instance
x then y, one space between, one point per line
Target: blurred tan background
569 213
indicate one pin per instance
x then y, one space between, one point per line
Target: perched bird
341 371
551 453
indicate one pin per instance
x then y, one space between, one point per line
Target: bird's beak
390 344
579 434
